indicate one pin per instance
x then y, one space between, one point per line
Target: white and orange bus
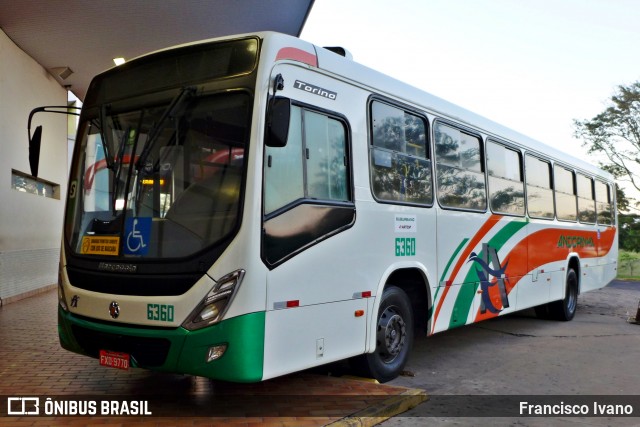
250 206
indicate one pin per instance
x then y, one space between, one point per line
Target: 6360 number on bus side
405 246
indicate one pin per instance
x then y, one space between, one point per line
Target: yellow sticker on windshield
100 245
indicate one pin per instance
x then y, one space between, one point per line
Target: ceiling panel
85 35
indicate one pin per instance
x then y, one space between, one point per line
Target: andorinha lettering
575 242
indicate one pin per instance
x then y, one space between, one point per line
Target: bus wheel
394 338
565 309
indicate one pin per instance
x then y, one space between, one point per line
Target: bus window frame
483 169
571 170
517 150
579 173
349 167
430 157
612 202
540 158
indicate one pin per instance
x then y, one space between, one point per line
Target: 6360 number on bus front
160 312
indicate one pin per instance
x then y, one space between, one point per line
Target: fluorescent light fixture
62 72
118 61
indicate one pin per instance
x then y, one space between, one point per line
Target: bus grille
131 284
147 352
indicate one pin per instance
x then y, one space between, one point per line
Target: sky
533 66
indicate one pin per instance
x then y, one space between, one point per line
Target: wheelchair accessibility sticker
137 234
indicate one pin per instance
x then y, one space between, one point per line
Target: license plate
114 359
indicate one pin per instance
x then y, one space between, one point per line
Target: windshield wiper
173 110
120 160
106 147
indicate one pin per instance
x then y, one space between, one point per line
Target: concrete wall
30 225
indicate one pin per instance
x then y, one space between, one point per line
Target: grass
628 265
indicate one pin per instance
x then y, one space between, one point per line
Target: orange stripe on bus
488 225
545 246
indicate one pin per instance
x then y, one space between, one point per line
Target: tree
616 133
621 199
629 232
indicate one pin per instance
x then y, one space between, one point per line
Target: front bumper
175 350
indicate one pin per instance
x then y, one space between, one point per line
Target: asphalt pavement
481 374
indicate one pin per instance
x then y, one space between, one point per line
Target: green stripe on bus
444 273
468 288
453 257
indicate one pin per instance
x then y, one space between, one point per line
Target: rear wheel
565 309
394 338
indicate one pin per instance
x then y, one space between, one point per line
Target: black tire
394 338
565 309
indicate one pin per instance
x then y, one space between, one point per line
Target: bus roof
383 84
393 88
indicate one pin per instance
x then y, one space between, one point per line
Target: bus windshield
159 181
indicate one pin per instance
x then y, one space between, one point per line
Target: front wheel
565 309
394 338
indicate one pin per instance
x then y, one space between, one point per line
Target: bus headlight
214 306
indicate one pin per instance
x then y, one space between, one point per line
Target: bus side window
459 169
565 192
283 174
325 143
539 191
604 203
506 184
400 163
313 164
586 201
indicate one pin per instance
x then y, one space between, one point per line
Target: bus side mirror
278 122
36 139
34 151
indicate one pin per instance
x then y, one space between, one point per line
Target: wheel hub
391 334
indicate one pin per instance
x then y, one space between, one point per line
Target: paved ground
519 357
596 356
33 364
